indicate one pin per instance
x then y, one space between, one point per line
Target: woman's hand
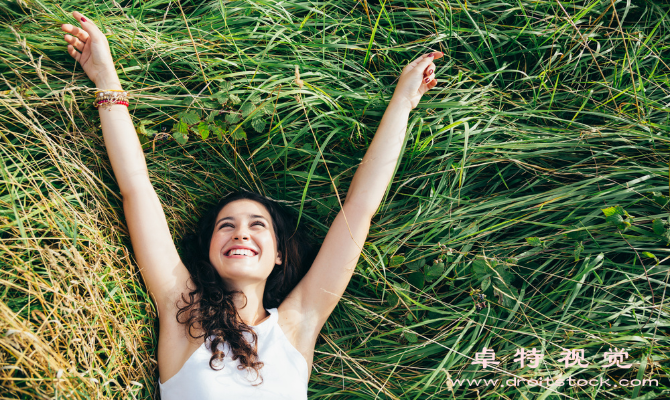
88 45
417 78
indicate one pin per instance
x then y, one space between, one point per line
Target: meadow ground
535 174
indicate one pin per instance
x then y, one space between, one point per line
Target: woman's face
244 223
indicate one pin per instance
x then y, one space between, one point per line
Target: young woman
240 315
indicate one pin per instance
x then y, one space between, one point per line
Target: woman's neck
253 313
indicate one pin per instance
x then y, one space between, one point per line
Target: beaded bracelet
110 97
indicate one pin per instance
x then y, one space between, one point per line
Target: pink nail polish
83 19
430 72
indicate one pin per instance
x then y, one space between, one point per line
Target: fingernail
427 80
83 19
430 72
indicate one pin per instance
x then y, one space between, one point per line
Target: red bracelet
97 103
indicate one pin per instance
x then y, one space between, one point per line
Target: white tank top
284 373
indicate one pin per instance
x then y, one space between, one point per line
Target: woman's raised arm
164 273
315 297
89 46
375 171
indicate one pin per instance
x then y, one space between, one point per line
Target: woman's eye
257 222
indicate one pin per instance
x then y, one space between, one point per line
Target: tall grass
535 173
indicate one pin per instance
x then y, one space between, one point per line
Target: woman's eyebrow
232 219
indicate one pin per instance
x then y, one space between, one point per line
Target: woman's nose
241 234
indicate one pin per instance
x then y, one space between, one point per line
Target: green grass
546 117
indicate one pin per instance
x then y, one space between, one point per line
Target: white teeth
241 252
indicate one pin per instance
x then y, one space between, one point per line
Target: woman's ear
279 258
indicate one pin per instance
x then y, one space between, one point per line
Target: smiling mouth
247 253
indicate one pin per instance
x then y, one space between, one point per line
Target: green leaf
658 226
333 202
221 97
322 209
417 279
143 140
234 99
610 211
217 130
233 118
511 294
267 108
486 283
180 127
434 271
410 336
416 265
239 134
392 298
255 98
396 260
614 219
660 199
258 124
648 254
503 274
181 139
203 130
246 109
479 267
534 241
142 129
225 86
212 115
388 249
180 130
189 117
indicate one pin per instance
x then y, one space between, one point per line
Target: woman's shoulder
293 323
175 347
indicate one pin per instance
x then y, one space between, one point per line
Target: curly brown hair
210 304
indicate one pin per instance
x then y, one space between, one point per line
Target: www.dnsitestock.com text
549 382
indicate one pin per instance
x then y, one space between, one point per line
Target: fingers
429 70
428 78
87 25
74 53
78 44
416 63
75 31
424 63
437 55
